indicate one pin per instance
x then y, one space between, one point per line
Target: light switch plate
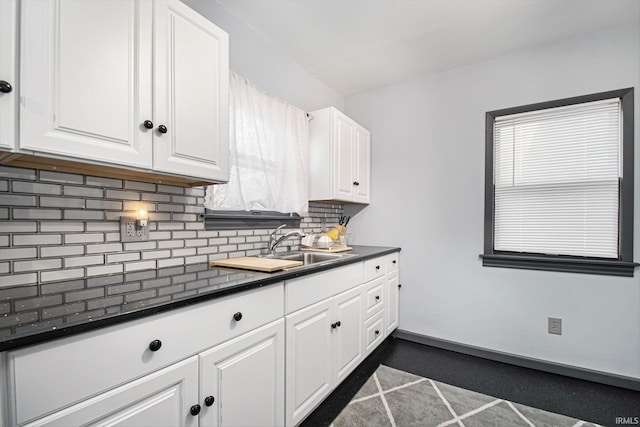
130 233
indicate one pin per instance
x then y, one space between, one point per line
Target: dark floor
585 400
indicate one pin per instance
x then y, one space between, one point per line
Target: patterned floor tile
400 399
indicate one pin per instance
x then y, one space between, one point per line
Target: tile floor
395 398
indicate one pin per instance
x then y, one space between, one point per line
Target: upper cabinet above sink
140 85
340 158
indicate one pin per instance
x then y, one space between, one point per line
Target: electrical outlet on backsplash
60 226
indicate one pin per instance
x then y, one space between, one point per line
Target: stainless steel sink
309 258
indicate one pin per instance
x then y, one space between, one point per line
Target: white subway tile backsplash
34 187
139 186
85 215
84 238
36 239
18 200
107 247
143 265
123 195
37 265
61 227
34 213
105 269
162 263
18 279
53 228
66 178
98 181
50 276
83 261
123 257
62 202
61 251
18 173
15 253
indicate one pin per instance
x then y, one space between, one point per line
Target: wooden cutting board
340 249
258 264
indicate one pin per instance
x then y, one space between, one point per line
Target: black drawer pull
377 297
209 400
377 332
399 286
394 261
334 325
155 345
377 267
237 317
195 410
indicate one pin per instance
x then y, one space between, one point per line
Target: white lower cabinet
160 399
213 388
324 344
242 381
265 357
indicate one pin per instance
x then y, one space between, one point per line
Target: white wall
428 197
266 64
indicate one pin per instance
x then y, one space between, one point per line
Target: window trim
624 265
248 220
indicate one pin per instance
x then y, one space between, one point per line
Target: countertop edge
277 277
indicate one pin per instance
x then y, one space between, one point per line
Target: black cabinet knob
209 400
377 297
356 183
377 267
148 124
162 129
5 87
338 323
195 410
334 325
394 261
377 332
399 285
237 317
155 345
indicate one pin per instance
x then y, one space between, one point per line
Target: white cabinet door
163 398
85 82
309 357
393 288
340 158
343 157
8 73
362 181
191 93
347 336
242 380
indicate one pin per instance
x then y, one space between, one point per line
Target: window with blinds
557 172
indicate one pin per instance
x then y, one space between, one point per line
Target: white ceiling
359 45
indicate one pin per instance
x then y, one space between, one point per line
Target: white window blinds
556 178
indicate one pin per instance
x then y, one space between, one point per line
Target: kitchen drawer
52 375
374 268
393 261
374 332
307 290
375 297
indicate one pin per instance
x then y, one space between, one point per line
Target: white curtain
269 150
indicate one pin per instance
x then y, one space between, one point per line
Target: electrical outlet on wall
555 325
131 232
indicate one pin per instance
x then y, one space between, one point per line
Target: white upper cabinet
129 83
340 158
8 74
191 91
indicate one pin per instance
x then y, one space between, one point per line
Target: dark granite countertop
38 313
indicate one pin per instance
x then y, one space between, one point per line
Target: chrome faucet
273 242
